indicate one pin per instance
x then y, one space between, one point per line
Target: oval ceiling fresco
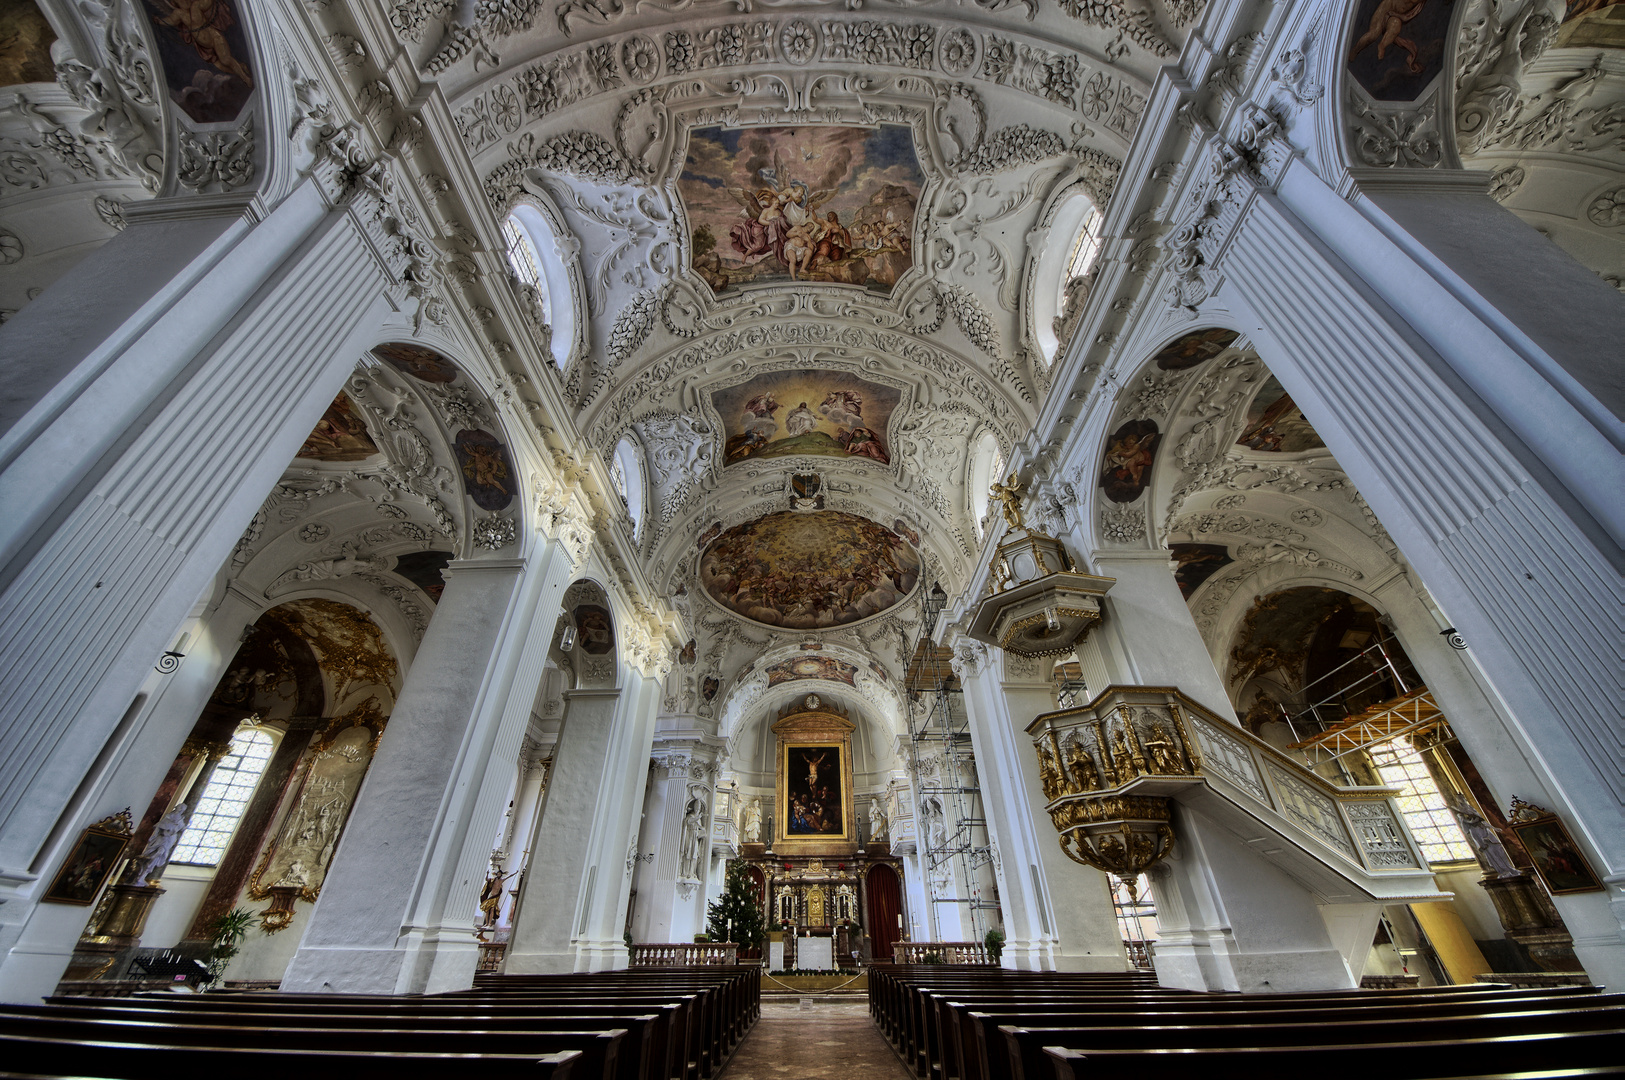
804 571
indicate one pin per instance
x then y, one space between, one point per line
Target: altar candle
899 920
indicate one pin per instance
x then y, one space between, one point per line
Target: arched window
1069 255
626 473
534 257
986 466
221 807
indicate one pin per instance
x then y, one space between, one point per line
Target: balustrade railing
941 952
685 954
491 954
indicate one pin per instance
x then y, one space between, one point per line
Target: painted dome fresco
803 571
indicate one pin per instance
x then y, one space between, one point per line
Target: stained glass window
217 813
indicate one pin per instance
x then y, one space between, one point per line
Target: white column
570 917
671 890
1226 918
398 906
211 345
1057 913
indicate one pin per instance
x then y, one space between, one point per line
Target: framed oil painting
92 862
1560 864
814 791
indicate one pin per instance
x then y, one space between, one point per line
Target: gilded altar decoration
298 859
814 779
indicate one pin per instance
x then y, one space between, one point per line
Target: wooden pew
1029 1060
43 1057
1493 1056
981 1051
600 1049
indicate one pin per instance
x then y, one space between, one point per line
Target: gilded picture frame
1561 865
813 789
91 863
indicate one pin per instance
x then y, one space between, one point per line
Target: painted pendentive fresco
595 629
340 435
813 667
1129 454
1592 23
205 55
484 461
1195 563
806 571
423 569
417 361
1275 424
806 412
814 203
25 44
1194 348
1399 46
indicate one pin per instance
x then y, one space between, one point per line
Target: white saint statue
165 835
877 820
1485 841
688 863
753 820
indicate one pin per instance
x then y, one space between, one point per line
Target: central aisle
830 1037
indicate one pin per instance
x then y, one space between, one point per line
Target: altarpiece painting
814 779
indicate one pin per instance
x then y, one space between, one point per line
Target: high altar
815 872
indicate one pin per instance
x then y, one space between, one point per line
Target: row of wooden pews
990 1024
645 1024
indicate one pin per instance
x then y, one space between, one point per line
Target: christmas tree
737 914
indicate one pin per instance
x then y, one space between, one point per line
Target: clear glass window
522 255
224 801
1085 250
1431 821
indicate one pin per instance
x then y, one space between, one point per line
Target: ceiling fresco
1275 424
809 570
1593 23
806 413
829 668
205 57
817 203
25 44
340 435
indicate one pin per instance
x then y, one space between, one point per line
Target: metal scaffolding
952 826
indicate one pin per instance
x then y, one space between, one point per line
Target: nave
944 1022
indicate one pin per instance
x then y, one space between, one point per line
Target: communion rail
686 954
946 952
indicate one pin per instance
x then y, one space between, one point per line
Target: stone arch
591 623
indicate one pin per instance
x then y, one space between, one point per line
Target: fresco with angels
817 203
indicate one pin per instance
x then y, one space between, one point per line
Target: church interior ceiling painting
808 571
800 257
1275 424
1129 455
1195 563
818 203
830 668
340 435
802 413
595 629
1400 46
1194 348
205 55
1592 24
423 569
418 361
487 469
25 44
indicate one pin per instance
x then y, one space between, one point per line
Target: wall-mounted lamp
567 640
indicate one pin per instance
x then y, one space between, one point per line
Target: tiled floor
814 1038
